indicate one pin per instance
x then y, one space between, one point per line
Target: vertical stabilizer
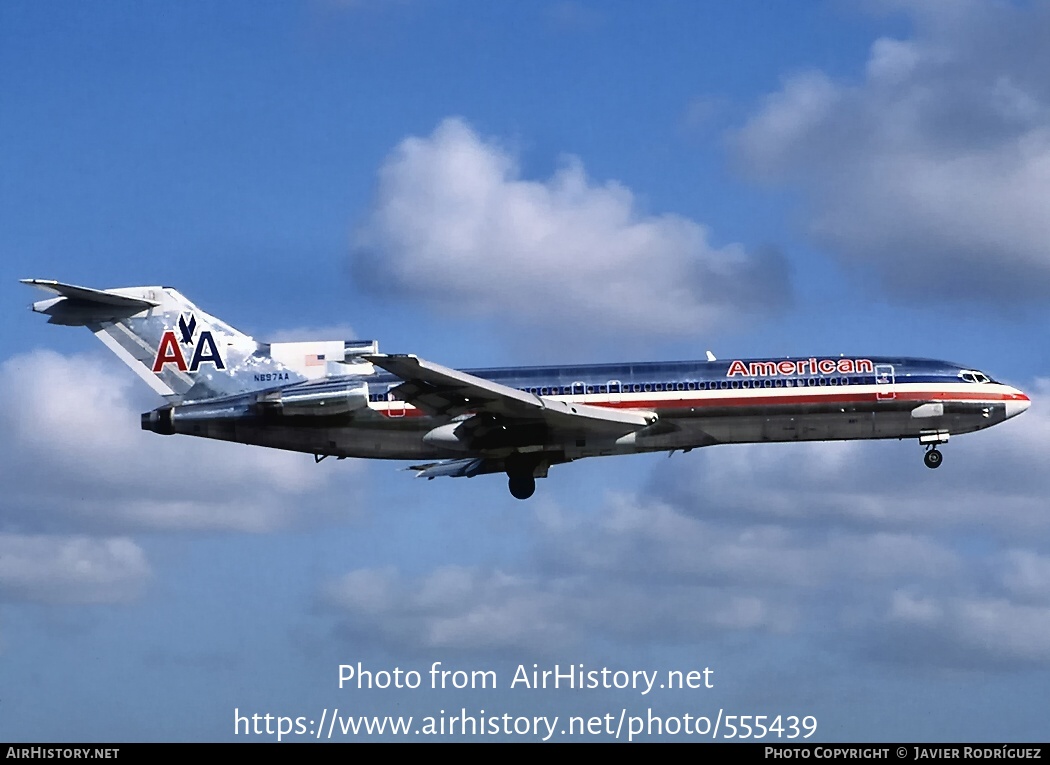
181 352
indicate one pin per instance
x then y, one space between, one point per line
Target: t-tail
183 353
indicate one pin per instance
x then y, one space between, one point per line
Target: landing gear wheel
933 459
521 486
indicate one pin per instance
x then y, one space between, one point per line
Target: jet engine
328 401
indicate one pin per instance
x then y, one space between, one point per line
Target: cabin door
884 379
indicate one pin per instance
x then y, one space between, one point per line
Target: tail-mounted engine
328 401
319 402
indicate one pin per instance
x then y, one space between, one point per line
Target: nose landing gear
931 440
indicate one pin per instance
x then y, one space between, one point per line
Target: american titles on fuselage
810 366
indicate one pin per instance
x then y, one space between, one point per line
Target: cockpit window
972 375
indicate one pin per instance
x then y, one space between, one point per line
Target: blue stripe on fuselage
558 380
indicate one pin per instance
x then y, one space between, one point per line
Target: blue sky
502 183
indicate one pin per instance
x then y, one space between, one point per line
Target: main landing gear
521 475
933 458
521 486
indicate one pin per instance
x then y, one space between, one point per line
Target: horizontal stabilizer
88 295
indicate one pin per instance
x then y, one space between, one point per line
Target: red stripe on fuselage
712 401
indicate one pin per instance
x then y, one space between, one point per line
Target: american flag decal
315 360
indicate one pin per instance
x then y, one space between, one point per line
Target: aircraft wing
438 390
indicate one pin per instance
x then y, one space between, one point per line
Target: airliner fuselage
345 399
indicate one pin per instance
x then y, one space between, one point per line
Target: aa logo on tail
205 350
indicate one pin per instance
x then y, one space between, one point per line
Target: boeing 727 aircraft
345 399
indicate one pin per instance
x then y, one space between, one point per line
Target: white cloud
540 611
643 570
1026 576
456 225
74 454
856 543
932 567
878 486
453 607
70 569
970 630
934 171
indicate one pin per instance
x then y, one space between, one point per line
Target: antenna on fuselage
711 356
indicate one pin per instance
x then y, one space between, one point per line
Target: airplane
346 399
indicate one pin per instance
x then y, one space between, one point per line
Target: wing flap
439 390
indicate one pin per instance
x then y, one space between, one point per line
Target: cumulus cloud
939 568
967 630
644 570
878 486
477 608
856 545
649 571
70 569
455 224
452 607
74 454
934 169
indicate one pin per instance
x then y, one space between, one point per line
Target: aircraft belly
692 428
840 426
888 419
375 442
397 438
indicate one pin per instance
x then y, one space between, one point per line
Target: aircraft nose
1018 404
